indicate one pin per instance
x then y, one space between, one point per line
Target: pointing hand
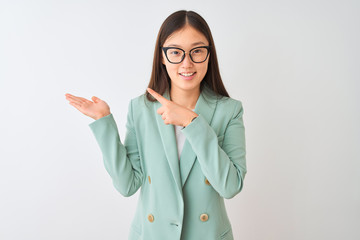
171 112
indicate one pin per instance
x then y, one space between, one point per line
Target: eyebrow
194 44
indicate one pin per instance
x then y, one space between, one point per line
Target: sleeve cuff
195 127
108 118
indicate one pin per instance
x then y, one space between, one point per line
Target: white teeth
187 74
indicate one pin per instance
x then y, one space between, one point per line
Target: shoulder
228 101
140 101
230 106
226 106
140 104
209 94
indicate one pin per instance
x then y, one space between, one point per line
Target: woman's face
187 75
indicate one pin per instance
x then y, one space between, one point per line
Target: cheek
171 69
204 69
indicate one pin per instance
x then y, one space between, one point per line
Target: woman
185 142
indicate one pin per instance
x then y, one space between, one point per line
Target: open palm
96 109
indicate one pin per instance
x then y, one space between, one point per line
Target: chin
186 85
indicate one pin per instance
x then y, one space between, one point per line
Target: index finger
157 96
68 95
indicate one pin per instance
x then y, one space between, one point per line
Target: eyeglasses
176 55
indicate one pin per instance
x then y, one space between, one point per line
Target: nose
187 60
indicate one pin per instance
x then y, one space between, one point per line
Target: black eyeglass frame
183 57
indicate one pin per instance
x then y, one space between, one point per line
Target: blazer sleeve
122 161
224 167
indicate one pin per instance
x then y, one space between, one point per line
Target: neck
186 99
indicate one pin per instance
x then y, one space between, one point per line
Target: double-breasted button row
150 217
207 182
204 217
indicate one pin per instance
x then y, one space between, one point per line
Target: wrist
191 118
101 116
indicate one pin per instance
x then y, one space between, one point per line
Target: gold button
150 218
207 181
204 217
149 179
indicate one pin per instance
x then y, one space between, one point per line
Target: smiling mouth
187 74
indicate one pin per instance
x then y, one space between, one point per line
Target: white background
293 64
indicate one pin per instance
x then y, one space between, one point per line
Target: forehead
186 37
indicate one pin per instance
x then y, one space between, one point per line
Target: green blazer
178 199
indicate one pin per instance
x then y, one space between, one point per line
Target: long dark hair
160 80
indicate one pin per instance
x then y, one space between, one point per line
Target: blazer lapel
167 133
205 106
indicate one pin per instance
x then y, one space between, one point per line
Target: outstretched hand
171 112
95 110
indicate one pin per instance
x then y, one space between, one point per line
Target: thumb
95 99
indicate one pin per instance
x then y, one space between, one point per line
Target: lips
187 74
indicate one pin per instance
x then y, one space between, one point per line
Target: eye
198 51
174 52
